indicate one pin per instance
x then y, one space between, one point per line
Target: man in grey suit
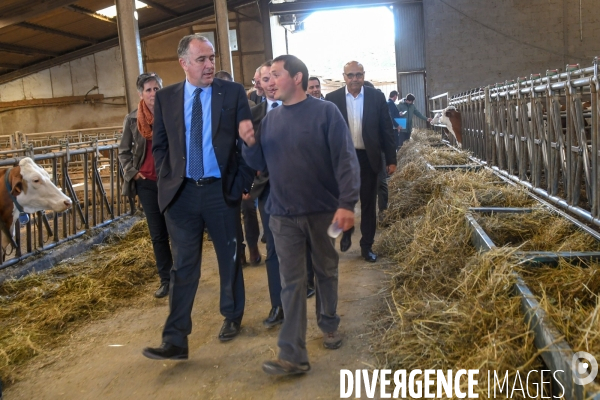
201 178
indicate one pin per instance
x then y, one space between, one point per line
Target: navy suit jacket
377 129
229 106
394 113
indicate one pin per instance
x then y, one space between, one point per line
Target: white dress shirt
354 107
270 104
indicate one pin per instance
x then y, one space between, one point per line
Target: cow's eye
36 181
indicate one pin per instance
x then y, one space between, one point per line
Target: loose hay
39 310
449 307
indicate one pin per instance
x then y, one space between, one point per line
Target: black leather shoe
166 351
275 317
229 330
162 291
283 367
310 291
346 241
369 255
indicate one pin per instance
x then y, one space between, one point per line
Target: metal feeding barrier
91 175
541 131
555 351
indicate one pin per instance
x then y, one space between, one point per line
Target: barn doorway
326 40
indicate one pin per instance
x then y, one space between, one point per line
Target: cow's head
34 190
437 119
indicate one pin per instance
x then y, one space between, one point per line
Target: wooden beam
54 100
161 8
28 51
89 13
9 66
30 9
57 32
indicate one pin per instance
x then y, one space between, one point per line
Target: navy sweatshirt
311 160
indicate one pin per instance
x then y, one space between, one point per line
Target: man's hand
138 176
246 196
344 218
390 169
398 128
429 120
247 132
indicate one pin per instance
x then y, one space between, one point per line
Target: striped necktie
195 151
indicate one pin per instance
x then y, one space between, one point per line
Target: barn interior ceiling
39 34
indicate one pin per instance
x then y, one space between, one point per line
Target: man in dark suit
201 177
366 112
259 112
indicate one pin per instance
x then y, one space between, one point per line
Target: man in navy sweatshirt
314 176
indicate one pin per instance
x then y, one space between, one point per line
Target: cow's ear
16 182
17 188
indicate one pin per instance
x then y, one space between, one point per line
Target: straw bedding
40 309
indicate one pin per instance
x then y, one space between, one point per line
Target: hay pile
449 307
537 231
569 295
40 309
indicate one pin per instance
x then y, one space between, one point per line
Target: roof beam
89 13
319 5
30 9
57 32
28 51
9 66
161 8
182 20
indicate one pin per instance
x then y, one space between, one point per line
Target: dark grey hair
184 43
147 77
226 76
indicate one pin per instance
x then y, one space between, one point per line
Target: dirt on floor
104 359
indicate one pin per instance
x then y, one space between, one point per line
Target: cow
450 117
26 188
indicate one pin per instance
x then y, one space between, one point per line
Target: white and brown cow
31 186
450 117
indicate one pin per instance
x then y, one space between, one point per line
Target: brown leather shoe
283 367
332 340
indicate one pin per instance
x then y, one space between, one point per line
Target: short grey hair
147 77
184 43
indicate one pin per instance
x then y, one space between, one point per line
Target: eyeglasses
253 81
358 75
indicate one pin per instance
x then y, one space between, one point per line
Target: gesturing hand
247 132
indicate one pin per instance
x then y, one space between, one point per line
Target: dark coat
132 152
229 106
377 129
262 180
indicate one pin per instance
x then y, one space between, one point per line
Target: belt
202 181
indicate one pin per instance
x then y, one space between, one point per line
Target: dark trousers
192 209
368 201
382 186
310 272
250 219
291 235
272 262
404 135
147 191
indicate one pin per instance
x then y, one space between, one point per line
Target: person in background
249 214
407 109
365 111
258 94
394 113
314 88
135 155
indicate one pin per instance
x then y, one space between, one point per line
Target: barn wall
495 40
24 103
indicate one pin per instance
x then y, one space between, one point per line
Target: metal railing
92 177
542 132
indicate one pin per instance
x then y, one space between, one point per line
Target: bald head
354 76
